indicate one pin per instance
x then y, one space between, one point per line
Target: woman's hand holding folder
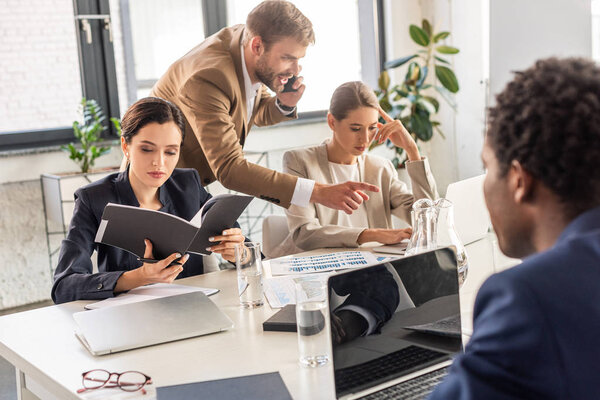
160 271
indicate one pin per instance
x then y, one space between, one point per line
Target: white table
49 359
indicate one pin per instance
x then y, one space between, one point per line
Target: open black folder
126 227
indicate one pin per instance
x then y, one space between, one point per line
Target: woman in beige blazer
353 117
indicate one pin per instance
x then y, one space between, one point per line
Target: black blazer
181 195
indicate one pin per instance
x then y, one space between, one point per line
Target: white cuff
363 312
302 192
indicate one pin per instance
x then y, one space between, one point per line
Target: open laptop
407 347
471 217
145 323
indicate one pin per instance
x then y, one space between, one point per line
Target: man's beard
267 76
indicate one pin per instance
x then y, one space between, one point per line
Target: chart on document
321 263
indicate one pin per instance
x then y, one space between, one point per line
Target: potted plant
415 100
88 133
58 189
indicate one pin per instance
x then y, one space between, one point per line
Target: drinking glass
248 262
313 323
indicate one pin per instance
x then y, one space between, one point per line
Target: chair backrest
274 231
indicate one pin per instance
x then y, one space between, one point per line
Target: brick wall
39 69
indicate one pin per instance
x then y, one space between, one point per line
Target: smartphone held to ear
288 86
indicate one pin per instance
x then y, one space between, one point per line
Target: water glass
248 262
313 323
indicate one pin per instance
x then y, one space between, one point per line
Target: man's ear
257 46
331 121
521 182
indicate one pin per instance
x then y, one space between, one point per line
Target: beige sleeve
423 186
207 108
305 228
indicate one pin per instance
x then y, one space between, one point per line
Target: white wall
399 15
524 31
495 37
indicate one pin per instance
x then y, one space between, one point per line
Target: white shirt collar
250 89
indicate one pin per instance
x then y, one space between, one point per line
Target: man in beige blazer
220 87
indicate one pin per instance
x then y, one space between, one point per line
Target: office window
40 86
596 30
53 52
336 56
48 58
154 35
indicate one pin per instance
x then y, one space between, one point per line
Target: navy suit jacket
536 327
181 195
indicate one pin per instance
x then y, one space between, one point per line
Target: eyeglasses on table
129 381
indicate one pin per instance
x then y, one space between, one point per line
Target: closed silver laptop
145 323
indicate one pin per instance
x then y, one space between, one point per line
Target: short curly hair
548 119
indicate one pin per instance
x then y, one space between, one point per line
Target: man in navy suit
536 328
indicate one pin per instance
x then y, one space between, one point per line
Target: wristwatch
284 109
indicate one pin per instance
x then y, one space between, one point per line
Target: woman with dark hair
353 117
152 134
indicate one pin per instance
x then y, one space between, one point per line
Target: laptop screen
392 319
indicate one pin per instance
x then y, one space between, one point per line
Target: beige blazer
316 226
208 85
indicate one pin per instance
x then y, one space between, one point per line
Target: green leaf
447 78
412 73
440 36
117 124
447 49
401 93
418 35
421 127
423 76
398 62
385 104
384 81
426 27
433 101
423 102
442 60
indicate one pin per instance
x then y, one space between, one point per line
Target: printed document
321 263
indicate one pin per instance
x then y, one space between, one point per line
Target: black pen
153 261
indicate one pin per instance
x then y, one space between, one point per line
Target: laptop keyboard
385 367
414 389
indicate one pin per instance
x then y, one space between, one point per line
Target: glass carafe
446 235
433 227
424 219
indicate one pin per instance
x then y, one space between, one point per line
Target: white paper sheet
149 292
321 263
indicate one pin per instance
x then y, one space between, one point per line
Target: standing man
536 326
220 87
